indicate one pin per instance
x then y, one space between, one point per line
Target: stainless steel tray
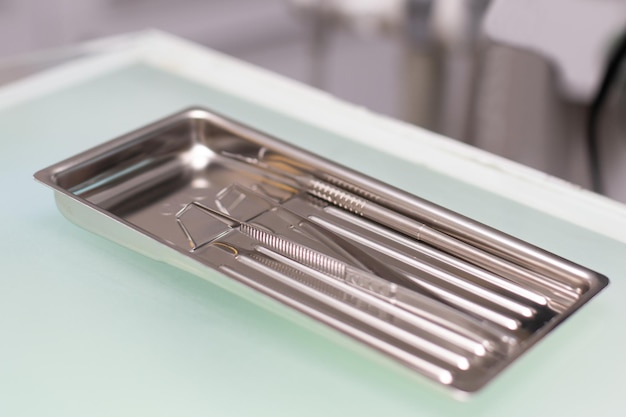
444 295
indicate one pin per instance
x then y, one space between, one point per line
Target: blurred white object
451 22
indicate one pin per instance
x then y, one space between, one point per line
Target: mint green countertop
89 328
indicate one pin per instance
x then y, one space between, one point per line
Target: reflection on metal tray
447 296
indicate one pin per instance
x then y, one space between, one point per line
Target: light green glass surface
89 328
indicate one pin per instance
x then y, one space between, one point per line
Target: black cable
595 111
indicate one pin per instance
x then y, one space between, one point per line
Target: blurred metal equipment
447 32
439 39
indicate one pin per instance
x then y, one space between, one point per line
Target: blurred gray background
514 77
